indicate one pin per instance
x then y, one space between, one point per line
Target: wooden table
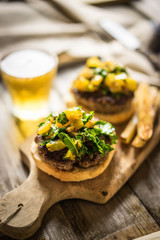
133 212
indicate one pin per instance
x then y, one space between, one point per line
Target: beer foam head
28 63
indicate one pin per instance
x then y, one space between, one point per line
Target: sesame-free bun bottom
75 175
115 118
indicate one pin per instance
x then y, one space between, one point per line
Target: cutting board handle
22 210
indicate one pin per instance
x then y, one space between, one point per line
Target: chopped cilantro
47 119
105 127
53 131
100 71
118 69
87 117
41 124
105 90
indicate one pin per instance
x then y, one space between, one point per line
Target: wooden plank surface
128 215
146 183
155 236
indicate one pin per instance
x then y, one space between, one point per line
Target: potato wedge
130 130
155 102
137 142
145 97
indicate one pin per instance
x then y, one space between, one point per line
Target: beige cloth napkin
38 24
149 8
23 26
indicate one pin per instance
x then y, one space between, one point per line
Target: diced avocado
55 145
44 128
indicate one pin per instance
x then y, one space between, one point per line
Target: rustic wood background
133 212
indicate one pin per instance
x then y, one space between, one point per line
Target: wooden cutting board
22 210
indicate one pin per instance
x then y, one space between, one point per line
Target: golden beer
28 76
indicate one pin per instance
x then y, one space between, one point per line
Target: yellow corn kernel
131 84
87 73
73 113
81 83
96 81
55 145
90 123
93 62
44 128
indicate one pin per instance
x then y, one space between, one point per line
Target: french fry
145 97
137 142
130 130
155 101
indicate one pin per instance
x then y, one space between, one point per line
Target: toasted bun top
75 175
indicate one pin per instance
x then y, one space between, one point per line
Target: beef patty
103 103
55 159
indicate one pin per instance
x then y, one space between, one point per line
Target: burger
106 88
73 146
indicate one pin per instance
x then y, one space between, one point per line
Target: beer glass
28 76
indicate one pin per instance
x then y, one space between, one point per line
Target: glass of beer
28 76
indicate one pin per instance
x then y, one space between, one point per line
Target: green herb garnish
105 127
62 118
69 142
84 140
100 71
41 124
87 117
118 70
